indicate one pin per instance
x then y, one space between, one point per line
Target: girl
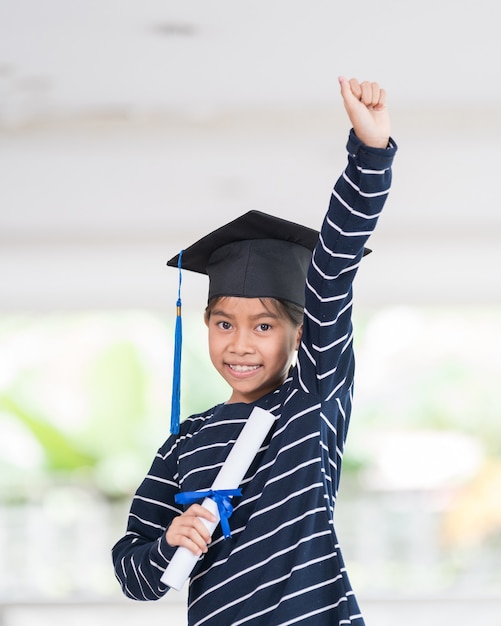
269 297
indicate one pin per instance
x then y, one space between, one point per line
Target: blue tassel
176 377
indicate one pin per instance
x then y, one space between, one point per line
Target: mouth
243 369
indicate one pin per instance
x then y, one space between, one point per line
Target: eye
263 327
224 325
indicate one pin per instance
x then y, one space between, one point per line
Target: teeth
244 368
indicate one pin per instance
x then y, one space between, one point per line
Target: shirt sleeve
142 554
325 357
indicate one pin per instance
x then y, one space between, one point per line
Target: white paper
229 476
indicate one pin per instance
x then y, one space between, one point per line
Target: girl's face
251 345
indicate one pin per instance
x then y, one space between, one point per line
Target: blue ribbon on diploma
222 497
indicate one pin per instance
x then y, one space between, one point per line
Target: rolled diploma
229 476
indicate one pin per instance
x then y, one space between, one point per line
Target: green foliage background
86 397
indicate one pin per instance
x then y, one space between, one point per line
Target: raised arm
325 359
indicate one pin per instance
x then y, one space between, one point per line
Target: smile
243 368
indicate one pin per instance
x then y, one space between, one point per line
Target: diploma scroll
230 476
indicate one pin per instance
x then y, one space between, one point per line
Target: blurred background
128 130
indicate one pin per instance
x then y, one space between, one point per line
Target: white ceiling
136 56
128 128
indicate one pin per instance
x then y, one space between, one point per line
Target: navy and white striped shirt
283 564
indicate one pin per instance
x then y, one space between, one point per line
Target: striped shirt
283 564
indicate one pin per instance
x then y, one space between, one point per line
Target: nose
241 342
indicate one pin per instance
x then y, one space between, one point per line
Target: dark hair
293 312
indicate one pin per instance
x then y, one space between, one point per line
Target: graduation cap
256 255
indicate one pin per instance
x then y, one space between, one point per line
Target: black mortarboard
255 255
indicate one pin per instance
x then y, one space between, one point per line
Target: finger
382 100
355 88
197 510
369 93
190 532
345 87
189 522
202 531
190 540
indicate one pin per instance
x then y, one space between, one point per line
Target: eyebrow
264 314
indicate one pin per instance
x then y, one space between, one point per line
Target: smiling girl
277 290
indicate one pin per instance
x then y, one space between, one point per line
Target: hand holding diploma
192 531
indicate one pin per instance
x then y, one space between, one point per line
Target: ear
299 335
